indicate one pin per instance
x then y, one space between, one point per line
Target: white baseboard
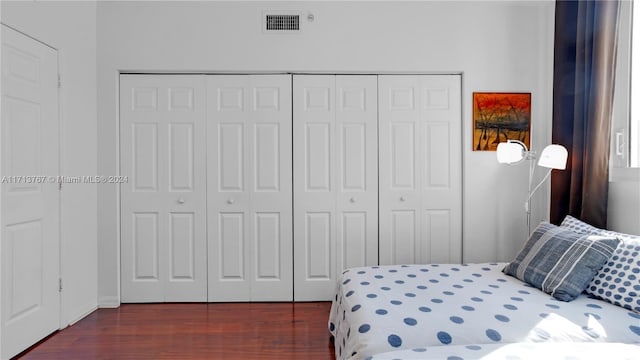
81 314
108 302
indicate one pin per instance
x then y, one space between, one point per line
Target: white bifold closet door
420 169
249 187
335 179
163 205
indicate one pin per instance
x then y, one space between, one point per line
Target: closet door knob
352 200
230 201
181 200
402 198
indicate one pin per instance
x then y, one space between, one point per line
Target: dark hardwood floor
194 331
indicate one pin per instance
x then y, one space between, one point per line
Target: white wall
624 204
71 28
497 46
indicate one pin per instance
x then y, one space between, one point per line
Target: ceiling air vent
281 23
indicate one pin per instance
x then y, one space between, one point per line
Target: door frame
116 301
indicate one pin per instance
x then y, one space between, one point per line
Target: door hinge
60 185
59 81
59 284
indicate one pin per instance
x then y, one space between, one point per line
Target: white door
420 169
249 187
163 204
30 245
335 179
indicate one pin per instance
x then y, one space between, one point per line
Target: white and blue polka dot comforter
386 309
519 351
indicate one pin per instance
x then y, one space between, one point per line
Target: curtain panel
584 74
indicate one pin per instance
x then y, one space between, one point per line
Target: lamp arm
527 205
538 186
532 169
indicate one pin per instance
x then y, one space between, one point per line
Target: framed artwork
498 117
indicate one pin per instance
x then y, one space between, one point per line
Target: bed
452 311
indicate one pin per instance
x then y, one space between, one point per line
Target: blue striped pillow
559 261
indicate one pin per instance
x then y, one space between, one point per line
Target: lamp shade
553 157
510 152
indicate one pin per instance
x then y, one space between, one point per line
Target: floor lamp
552 157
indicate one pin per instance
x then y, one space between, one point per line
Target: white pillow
618 281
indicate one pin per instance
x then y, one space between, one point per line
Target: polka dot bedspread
519 351
384 309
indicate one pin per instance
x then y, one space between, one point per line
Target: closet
265 187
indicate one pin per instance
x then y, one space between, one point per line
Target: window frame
621 137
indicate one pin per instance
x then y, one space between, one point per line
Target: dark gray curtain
583 83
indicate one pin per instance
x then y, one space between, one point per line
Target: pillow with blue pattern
560 261
618 281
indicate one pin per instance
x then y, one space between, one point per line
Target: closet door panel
182 246
352 239
314 186
403 236
439 238
268 246
442 170
249 197
163 208
230 207
356 120
335 179
146 248
231 261
318 246
181 157
185 221
402 156
437 172
271 188
420 169
144 145
400 196
228 200
231 163
267 160
318 143
353 159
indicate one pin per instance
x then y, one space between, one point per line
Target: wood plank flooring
194 331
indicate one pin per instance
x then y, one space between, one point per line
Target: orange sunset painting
498 117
